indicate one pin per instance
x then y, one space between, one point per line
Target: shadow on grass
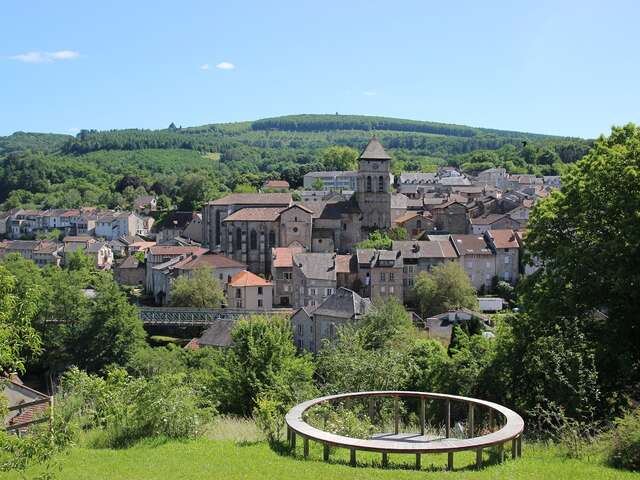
491 458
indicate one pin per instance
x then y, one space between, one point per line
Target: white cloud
370 93
73 130
45 57
205 66
225 66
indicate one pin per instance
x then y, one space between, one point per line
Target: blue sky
558 67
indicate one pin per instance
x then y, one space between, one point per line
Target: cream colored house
247 291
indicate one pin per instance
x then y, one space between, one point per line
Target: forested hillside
187 166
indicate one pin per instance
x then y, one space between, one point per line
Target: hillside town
303 257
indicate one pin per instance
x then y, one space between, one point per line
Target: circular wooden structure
511 428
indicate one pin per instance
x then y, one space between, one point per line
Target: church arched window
369 187
218 227
381 183
272 238
238 239
253 240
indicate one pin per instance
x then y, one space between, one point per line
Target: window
272 238
312 291
285 288
418 224
238 293
391 290
253 240
259 290
287 275
381 183
329 291
507 260
369 188
300 330
383 290
391 276
260 302
218 227
383 277
238 239
295 229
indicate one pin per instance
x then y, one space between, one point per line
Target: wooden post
372 408
471 420
450 461
422 416
352 460
520 445
479 458
418 461
305 444
288 434
448 426
514 448
325 453
501 453
385 460
293 441
396 415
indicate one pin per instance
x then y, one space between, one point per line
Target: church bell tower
373 191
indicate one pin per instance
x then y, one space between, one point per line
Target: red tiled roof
276 184
248 279
213 260
504 238
283 256
255 214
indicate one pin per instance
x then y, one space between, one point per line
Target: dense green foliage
200 290
187 166
445 287
18 337
625 442
584 301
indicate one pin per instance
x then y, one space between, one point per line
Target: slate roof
255 214
417 178
374 151
424 249
470 245
129 262
344 303
487 219
319 266
217 335
176 250
283 199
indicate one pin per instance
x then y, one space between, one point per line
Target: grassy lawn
209 458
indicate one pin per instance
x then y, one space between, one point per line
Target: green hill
109 168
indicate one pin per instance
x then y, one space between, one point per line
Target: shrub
269 417
128 409
624 450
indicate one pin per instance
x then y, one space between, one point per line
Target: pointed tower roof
374 151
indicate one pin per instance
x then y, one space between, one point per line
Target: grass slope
229 460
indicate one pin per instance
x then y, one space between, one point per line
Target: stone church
246 227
